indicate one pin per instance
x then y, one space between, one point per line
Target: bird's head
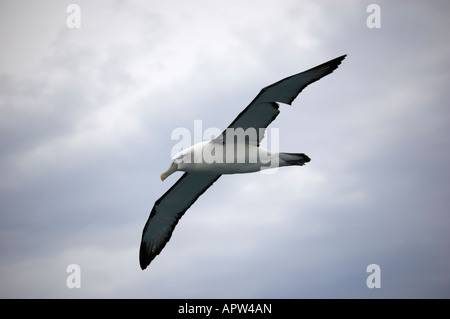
173 168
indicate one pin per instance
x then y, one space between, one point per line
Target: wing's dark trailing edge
168 209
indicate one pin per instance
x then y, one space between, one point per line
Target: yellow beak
173 168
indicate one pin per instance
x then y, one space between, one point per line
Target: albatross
237 150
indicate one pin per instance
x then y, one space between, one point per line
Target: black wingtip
336 61
142 260
341 58
145 258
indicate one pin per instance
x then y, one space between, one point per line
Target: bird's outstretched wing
264 109
168 210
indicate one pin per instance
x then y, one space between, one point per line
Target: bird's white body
219 158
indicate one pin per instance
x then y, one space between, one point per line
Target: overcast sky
86 116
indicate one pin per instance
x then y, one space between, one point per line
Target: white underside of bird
216 157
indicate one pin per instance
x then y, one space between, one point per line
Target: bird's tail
288 159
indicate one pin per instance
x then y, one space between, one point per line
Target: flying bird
236 150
